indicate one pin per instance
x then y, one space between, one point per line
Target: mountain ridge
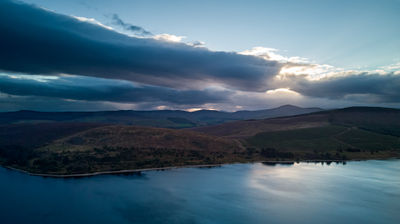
154 118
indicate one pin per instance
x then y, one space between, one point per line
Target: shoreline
111 172
132 171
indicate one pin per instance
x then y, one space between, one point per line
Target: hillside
122 147
158 118
246 128
356 132
282 111
35 135
382 120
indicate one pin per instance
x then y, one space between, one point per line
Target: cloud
97 89
300 77
92 20
323 81
197 43
362 87
169 37
36 41
271 54
392 67
15 103
129 27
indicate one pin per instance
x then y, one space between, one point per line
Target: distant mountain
157 118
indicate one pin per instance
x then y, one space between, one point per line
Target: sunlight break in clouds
92 21
271 54
282 91
169 37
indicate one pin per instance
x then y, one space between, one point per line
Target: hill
77 147
382 120
110 148
158 118
35 135
355 132
282 111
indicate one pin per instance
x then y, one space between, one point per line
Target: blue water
358 192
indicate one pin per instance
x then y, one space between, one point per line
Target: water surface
358 192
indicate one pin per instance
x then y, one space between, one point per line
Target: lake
357 192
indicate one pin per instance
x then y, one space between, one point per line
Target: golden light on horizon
285 91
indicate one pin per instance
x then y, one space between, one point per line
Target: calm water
358 192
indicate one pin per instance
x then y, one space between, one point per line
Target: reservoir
355 192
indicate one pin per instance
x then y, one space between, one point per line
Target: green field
325 139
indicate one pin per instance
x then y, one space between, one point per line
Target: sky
82 55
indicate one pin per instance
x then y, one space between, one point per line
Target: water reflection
289 163
272 163
330 191
360 192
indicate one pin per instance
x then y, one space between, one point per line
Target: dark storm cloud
129 27
15 103
95 89
37 41
370 88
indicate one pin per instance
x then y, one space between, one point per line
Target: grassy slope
350 133
247 128
320 138
380 120
140 137
127 147
325 138
35 135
